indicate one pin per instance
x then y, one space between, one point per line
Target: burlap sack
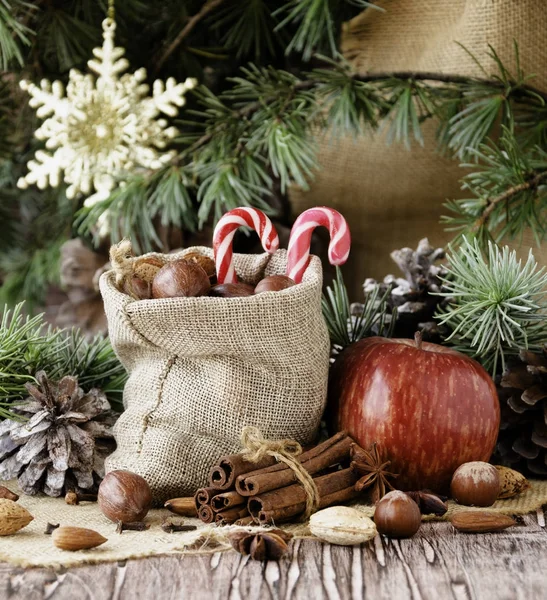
200 369
391 196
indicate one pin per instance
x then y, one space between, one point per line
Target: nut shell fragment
342 525
512 483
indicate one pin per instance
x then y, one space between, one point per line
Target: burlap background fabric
200 369
391 196
31 548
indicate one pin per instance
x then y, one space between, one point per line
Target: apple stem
418 339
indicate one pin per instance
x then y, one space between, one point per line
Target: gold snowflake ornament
103 127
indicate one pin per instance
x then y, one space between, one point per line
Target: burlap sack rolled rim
31 548
108 276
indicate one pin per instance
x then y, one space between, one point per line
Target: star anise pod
264 545
372 468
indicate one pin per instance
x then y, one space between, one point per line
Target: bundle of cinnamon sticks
267 492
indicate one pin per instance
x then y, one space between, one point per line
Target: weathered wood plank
436 563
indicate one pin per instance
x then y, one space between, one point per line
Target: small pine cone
412 294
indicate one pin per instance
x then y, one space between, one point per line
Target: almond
12 517
76 538
512 483
182 506
481 521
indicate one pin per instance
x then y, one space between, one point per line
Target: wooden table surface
437 563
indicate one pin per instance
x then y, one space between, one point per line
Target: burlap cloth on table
201 369
391 196
31 548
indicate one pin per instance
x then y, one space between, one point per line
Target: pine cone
522 389
61 441
80 269
411 295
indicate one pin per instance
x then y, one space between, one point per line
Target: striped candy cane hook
298 255
224 235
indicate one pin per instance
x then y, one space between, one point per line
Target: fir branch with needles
247 138
28 346
509 190
264 129
496 304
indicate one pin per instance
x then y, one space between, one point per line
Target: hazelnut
475 484
124 497
180 278
274 283
397 515
231 290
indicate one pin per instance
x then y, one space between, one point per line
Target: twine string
122 261
285 451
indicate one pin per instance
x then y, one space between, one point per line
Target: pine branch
245 112
14 18
316 23
28 346
507 182
207 7
496 305
533 182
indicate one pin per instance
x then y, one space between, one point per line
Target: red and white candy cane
224 234
298 255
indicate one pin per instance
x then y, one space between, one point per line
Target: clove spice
134 526
50 528
170 527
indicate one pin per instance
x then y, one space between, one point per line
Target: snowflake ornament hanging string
105 127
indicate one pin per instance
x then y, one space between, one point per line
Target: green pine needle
28 346
507 183
496 305
345 329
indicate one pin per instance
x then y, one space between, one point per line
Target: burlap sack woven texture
31 548
392 196
200 369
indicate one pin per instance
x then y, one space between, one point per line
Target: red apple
429 408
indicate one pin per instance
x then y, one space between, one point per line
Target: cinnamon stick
288 513
322 456
227 517
206 514
205 495
295 494
246 521
223 475
226 500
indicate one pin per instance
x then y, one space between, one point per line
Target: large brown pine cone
522 443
